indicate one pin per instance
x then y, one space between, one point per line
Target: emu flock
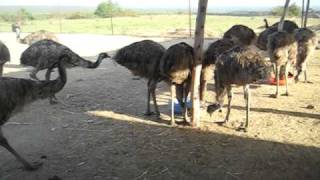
235 59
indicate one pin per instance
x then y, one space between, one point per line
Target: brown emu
210 57
282 50
15 93
175 68
307 42
45 53
240 35
262 40
37 36
238 66
142 59
4 56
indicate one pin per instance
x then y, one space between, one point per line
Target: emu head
213 108
259 69
103 55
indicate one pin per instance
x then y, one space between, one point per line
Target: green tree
23 14
293 10
107 9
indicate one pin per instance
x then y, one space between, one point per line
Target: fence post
196 71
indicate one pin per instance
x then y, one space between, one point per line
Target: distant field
146 25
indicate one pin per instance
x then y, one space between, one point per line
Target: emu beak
212 108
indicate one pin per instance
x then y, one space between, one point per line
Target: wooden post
306 14
302 14
190 34
285 10
196 71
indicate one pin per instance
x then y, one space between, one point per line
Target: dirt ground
98 131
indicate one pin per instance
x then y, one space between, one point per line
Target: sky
155 3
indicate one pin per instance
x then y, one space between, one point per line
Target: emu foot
33 167
183 123
285 94
242 128
274 95
150 113
53 100
220 123
213 107
309 82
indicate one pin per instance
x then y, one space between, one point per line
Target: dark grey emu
282 50
44 54
307 43
4 56
142 59
239 66
175 68
262 40
16 93
210 57
240 35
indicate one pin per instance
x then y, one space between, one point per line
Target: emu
15 93
240 35
4 56
262 40
45 53
238 66
210 57
282 50
175 68
307 42
37 36
142 59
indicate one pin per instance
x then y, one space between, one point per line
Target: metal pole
198 55
111 24
285 11
306 14
302 13
190 34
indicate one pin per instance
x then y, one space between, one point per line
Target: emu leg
296 78
185 108
53 99
1 69
277 79
154 97
148 112
246 89
173 89
33 74
305 75
229 92
286 78
203 90
26 164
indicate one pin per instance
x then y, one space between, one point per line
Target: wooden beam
306 14
196 71
285 11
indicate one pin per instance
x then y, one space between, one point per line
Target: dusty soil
98 131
